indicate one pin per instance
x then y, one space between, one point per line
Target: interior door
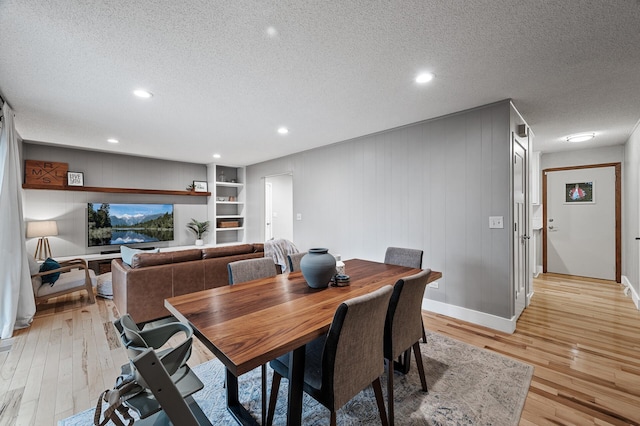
520 225
581 222
268 211
278 218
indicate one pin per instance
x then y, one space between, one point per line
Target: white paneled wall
69 208
432 185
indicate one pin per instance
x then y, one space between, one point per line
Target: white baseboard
537 271
628 288
486 320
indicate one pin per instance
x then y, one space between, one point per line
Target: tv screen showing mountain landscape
110 224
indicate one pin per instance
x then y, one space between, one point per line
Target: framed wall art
579 192
199 186
75 179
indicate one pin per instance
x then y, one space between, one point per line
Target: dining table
249 324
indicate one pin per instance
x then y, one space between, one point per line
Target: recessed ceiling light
272 32
112 140
583 137
283 130
216 155
141 93
424 77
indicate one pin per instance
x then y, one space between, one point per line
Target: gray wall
431 185
581 157
69 208
630 216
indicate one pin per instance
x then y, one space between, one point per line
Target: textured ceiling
335 70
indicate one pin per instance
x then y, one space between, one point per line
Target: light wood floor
582 336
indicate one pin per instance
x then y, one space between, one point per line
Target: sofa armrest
119 284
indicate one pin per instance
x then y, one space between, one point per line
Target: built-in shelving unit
228 206
117 190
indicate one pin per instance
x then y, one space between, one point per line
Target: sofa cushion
186 255
141 260
213 252
127 253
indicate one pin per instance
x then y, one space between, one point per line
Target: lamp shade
45 228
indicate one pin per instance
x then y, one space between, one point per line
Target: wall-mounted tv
115 224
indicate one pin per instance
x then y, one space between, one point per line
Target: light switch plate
496 222
299 216
434 284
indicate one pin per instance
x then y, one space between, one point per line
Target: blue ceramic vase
317 267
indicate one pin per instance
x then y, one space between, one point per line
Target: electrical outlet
496 222
434 284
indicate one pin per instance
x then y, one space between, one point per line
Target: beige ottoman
104 287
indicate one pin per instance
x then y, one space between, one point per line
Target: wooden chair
294 261
347 360
75 275
411 258
402 331
251 269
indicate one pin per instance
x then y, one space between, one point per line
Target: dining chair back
247 270
411 258
402 330
251 269
345 361
294 261
136 341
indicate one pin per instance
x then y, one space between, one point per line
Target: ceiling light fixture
272 32
141 93
216 155
112 140
283 130
583 137
424 77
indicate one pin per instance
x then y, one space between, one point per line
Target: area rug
467 386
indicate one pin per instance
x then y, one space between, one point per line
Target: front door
581 221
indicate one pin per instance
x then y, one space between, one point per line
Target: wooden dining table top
248 324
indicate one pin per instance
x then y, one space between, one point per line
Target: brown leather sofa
140 289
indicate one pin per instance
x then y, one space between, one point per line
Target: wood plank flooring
582 336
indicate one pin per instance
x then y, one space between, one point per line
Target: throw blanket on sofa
278 250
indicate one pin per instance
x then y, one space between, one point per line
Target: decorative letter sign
47 173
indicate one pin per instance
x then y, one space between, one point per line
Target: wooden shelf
117 190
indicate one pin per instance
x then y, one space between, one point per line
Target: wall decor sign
75 179
579 192
199 186
46 173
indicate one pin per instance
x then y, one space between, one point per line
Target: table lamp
42 229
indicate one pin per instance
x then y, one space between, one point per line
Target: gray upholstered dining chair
345 361
411 258
402 330
294 261
251 269
400 256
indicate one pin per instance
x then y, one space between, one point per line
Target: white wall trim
486 320
628 288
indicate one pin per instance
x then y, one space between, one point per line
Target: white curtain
17 303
